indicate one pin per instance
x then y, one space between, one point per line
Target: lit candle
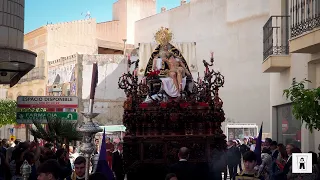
135 72
211 54
144 80
128 56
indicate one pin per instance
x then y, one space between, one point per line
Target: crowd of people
243 162
276 160
51 163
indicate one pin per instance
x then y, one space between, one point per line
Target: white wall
237 45
129 11
3 93
108 98
70 38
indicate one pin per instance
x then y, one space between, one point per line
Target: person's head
289 148
97 176
120 147
249 160
234 142
166 55
96 141
71 150
183 153
250 139
282 151
61 153
47 147
296 150
107 140
245 140
171 176
266 150
254 141
80 166
273 145
238 141
267 142
230 143
49 170
4 142
29 156
17 141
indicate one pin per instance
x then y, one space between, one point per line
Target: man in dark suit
232 158
183 169
267 143
274 151
3 148
117 163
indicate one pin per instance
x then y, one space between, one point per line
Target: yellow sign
12 138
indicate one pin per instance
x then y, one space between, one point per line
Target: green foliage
57 131
305 103
8 109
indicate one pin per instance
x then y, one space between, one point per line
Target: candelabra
25 170
89 128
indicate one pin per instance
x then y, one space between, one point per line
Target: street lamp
25 170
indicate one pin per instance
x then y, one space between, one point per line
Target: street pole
124 46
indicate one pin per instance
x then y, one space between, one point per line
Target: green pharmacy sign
30 117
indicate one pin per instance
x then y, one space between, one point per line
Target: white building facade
291 50
233 31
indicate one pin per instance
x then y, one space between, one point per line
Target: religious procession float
167 109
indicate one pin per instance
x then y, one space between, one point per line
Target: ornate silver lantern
25 170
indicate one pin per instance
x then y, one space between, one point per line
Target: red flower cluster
154 73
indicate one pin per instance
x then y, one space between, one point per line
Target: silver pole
91 101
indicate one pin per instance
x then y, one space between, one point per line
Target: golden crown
163 36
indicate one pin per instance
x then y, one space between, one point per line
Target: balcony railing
305 16
35 73
276 36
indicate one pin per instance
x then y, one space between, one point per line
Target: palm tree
58 131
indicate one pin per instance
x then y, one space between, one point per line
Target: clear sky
41 12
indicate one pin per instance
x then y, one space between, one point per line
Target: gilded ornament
163 36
